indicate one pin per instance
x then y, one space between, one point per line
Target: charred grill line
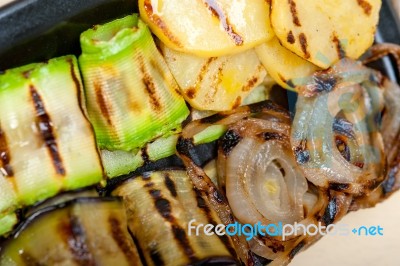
365 6
73 235
250 83
122 242
293 10
163 207
77 84
5 156
156 257
139 249
45 127
201 204
102 102
149 86
304 45
160 23
192 91
290 38
339 48
169 183
219 13
145 155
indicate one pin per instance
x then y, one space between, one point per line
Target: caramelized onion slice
335 134
261 177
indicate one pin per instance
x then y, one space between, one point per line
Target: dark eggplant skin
86 230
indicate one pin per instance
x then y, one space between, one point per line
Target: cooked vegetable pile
185 125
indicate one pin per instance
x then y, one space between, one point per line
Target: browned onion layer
335 132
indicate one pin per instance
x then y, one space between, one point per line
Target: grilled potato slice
324 31
282 65
208 27
215 83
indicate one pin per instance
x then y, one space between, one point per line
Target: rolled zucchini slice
84 231
131 97
160 206
46 143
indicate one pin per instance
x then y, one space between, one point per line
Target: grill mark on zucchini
5 157
304 45
45 127
219 13
149 86
163 207
102 102
77 84
160 23
365 6
293 10
119 237
73 235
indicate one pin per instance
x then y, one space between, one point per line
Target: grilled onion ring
335 135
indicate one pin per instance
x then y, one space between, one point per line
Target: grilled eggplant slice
84 231
46 146
159 207
208 28
131 97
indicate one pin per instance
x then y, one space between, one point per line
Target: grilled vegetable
84 231
285 67
159 207
208 28
215 83
259 176
335 134
46 147
7 223
323 32
131 97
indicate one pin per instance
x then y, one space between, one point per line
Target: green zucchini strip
47 144
131 97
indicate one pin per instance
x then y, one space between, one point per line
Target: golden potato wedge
208 28
215 83
324 31
282 65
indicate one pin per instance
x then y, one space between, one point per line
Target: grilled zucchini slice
131 97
